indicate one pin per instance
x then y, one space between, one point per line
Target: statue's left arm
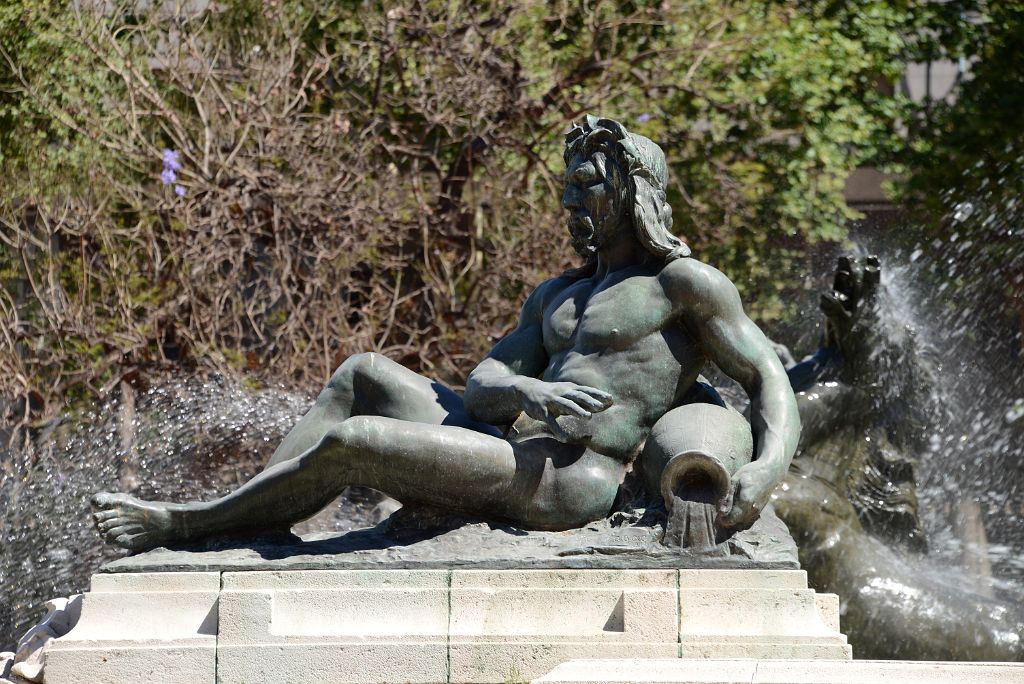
712 311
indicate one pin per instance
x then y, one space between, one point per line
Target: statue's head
615 178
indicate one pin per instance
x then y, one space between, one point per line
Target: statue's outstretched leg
537 483
371 384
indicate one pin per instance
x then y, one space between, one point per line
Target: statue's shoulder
693 284
688 276
552 287
542 295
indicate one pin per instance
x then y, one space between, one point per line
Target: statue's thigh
371 384
539 483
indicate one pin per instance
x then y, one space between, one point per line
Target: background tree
963 168
269 187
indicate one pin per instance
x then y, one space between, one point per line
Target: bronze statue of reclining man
599 355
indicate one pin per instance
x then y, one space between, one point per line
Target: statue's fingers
832 304
844 269
566 407
872 273
105 526
556 430
741 510
585 400
732 518
134 541
600 395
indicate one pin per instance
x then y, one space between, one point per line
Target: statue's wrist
523 386
770 470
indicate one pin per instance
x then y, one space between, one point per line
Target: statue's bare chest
593 317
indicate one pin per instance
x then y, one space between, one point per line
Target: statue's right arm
507 382
495 388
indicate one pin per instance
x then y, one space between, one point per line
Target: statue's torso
620 334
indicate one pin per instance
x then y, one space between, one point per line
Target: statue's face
593 200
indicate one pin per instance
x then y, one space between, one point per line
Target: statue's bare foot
132 523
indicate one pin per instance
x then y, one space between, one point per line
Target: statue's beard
584 235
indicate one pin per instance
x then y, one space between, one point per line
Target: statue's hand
753 485
854 289
545 401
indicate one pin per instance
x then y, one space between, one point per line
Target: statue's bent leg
537 483
371 384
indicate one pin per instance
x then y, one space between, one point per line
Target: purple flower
172 160
643 118
172 164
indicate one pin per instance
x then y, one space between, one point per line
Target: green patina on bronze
552 419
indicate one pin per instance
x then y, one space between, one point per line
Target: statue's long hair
643 164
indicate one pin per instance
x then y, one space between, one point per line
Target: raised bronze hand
854 292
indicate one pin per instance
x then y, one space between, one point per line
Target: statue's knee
342 376
358 366
356 433
354 368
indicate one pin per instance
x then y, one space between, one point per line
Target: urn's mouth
696 476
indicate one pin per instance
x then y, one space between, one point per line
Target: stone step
746 671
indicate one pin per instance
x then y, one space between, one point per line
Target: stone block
499 663
681 671
828 610
514 625
334 662
563 579
626 605
639 670
755 614
158 627
166 662
749 579
334 626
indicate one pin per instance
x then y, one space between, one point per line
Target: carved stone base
431 625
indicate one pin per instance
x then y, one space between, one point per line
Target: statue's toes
110 523
103 500
105 514
133 542
124 529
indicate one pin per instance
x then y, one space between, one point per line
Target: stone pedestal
431 625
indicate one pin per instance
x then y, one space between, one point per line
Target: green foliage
368 175
974 141
964 165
